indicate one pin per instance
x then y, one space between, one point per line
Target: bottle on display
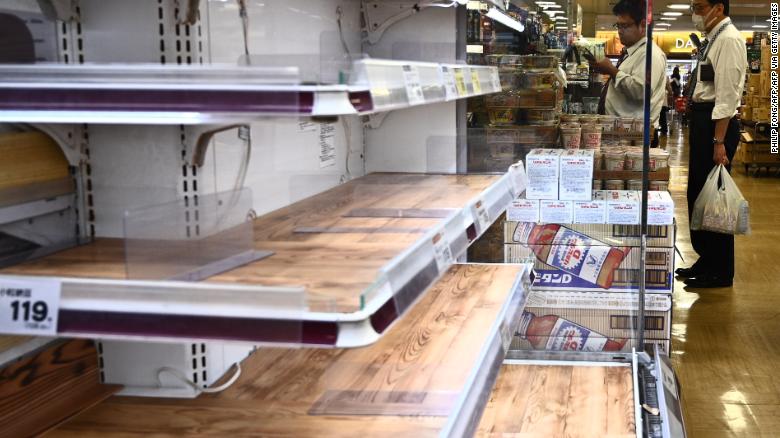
553 333
572 252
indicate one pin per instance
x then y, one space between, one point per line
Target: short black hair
635 9
725 4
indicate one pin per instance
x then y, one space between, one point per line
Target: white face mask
701 22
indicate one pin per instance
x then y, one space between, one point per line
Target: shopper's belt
703 106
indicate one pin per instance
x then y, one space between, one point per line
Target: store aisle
725 341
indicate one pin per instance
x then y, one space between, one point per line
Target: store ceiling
745 14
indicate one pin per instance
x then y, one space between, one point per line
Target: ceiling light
560 17
660 29
672 14
551 6
669 18
545 3
760 26
679 6
662 24
504 19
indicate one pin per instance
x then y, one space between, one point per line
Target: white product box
555 212
590 212
576 175
660 208
543 168
623 207
523 210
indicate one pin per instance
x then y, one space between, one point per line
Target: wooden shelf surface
555 400
404 385
318 243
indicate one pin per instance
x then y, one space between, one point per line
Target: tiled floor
725 341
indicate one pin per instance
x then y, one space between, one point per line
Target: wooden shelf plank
405 385
558 400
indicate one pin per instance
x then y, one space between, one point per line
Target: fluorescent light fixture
545 3
662 24
672 14
669 18
504 19
680 6
551 6
560 17
552 13
760 26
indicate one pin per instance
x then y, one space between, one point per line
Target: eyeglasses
698 9
622 26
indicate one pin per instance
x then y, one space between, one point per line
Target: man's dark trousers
715 250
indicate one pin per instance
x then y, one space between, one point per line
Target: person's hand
604 66
719 155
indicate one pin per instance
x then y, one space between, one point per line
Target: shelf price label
29 307
495 79
475 82
450 90
460 83
482 215
414 90
442 252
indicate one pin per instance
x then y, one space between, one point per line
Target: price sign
483 218
475 82
442 252
414 90
460 83
29 307
450 90
496 79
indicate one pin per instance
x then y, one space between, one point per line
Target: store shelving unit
338 277
155 94
429 376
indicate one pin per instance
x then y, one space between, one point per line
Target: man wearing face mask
624 93
716 91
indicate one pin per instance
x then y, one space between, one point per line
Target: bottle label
578 255
568 336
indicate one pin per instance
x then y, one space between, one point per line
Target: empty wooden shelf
414 381
361 253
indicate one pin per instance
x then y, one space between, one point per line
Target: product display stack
524 116
587 248
754 150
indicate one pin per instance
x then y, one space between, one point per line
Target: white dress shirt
728 56
626 94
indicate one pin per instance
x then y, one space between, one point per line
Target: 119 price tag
29 307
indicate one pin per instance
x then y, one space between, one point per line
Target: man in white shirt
625 90
714 131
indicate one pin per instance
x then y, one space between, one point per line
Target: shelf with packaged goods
427 377
343 266
154 94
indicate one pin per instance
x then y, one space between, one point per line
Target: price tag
483 218
496 79
460 83
29 307
475 82
451 92
442 252
414 90
519 178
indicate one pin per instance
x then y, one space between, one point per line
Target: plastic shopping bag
721 208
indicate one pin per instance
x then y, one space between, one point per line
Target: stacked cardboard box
593 257
591 321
